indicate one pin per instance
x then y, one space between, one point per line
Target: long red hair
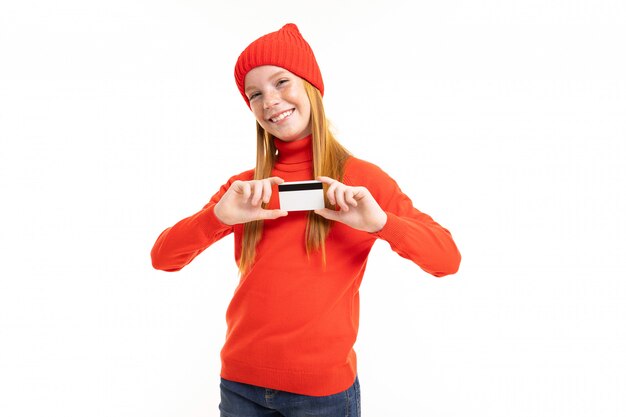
329 158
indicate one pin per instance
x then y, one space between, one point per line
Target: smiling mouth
281 116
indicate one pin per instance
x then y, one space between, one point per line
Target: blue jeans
244 400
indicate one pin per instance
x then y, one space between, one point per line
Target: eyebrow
275 75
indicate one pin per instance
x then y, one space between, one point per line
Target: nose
270 99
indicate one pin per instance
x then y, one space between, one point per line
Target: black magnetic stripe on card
301 187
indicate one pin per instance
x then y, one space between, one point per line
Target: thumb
272 214
327 213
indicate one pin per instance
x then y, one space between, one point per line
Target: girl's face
279 102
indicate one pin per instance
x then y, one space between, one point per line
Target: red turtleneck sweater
291 324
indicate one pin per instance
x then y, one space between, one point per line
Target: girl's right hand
242 202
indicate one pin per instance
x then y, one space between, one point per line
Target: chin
291 138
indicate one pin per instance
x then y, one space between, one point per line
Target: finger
267 191
326 180
237 186
341 201
245 191
331 192
257 192
360 193
327 213
276 180
350 197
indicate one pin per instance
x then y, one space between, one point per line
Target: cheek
305 107
300 98
258 114
296 94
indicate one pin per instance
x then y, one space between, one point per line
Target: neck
296 151
295 156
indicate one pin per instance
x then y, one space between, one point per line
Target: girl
294 317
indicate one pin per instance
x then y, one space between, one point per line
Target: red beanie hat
285 48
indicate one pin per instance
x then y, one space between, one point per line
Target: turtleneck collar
295 152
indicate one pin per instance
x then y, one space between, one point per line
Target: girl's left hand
358 209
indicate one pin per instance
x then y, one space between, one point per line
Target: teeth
281 116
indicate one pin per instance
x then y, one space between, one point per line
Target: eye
253 95
282 81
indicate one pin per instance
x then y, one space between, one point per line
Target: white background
503 120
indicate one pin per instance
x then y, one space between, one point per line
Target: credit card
301 195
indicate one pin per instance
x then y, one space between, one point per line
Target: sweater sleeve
179 244
410 233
